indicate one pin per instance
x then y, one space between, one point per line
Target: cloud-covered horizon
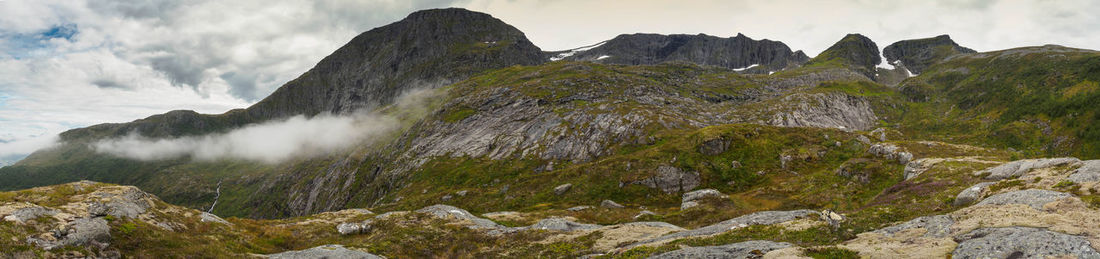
74 63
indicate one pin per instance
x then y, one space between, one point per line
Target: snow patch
603 57
571 52
745 68
885 65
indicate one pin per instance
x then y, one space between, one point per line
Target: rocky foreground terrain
645 145
1032 208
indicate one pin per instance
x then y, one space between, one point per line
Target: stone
1088 172
1021 242
747 249
28 213
863 139
935 226
757 218
1020 167
644 213
879 133
972 194
579 208
714 146
670 179
326 252
690 199
611 204
209 217
79 232
832 218
354 228
890 152
561 189
561 224
451 212
446 197
461 193
1035 198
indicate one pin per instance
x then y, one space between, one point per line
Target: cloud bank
275 141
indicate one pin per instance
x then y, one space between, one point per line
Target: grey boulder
747 249
972 194
1035 198
1088 172
1021 242
1020 167
327 252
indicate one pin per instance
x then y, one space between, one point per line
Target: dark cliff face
918 54
427 49
735 52
854 51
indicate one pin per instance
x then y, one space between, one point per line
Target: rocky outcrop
327 252
1020 167
747 249
691 199
453 213
80 232
611 204
826 110
1088 172
890 152
935 226
561 189
916 55
972 194
670 179
1021 242
740 52
1035 198
757 218
561 224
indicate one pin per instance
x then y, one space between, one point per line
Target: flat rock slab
1035 198
327 252
1021 242
451 212
561 224
936 226
747 249
1020 167
758 218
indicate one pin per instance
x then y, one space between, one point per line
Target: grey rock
653 224
644 213
79 232
611 204
917 167
325 252
353 228
209 217
879 133
972 194
758 218
825 110
863 139
1035 198
29 213
1021 242
689 199
446 197
130 203
935 226
561 224
561 189
461 193
918 54
890 152
451 212
714 146
1088 172
747 249
579 208
671 180
1020 167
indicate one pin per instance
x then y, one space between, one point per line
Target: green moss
831 253
458 115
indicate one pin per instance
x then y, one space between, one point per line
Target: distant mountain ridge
739 52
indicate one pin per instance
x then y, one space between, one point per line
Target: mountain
739 52
680 155
918 54
428 49
854 51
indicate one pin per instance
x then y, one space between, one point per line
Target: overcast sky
75 63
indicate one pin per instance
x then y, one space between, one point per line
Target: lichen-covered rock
1088 172
972 194
1035 198
825 110
451 212
936 226
1021 242
561 224
671 179
1020 167
747 249
714 146
611 204
208 217
757 218
80 232
689 199
326 252
890 152
120 202
353 228
579 208
561 189
28 213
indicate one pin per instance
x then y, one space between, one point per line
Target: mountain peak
739 52
854 50
918 54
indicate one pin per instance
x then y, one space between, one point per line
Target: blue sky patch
21 45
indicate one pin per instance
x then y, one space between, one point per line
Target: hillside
671 141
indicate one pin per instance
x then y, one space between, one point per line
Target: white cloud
273 141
